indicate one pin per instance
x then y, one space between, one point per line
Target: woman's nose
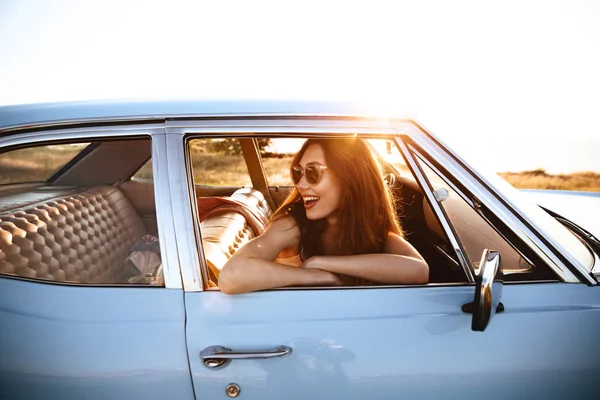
303 184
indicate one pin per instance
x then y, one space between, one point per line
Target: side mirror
488 291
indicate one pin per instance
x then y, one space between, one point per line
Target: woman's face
321 200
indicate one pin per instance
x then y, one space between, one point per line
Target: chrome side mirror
488 291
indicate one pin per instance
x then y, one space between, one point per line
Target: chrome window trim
159 165
18 138
246 124
435 205
162 197
443 177
183 215
546 253
596 267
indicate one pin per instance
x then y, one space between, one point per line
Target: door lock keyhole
232 390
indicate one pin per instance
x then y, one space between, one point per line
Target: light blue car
117 217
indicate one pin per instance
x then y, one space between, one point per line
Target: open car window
231 212
84 226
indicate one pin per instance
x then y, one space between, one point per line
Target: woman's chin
313 215
317 212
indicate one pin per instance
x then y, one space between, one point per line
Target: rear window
36 164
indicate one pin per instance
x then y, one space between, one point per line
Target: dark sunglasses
313 173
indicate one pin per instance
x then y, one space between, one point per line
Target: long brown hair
367 207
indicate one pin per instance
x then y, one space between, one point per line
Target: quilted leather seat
225 230
82 238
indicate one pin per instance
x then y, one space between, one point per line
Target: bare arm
400 263
253 267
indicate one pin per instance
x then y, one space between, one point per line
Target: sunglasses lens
297 174
313 174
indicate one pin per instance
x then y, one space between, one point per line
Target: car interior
83 223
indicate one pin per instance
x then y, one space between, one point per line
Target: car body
512 308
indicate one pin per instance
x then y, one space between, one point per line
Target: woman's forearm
249 274
383 268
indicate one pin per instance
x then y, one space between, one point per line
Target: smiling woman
337 226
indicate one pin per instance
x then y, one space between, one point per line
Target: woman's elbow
228 283
422 274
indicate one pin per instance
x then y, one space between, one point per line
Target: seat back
228 223
82 238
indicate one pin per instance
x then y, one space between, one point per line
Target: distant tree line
232 147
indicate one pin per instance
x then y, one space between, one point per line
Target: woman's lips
310 202
308 206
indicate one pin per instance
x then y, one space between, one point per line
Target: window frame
203 275
537 268
516 227
156 133
191 254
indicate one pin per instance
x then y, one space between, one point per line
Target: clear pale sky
474 72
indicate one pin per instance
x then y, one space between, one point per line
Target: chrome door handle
219 356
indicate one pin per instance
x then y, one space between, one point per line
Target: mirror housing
488 290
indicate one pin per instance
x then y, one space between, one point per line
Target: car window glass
218 162
102 234
36 164
144 173
474 232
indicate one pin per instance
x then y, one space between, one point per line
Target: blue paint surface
389 343
69 342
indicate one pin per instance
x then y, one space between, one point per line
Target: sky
513 84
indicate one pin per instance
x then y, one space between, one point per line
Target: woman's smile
310 201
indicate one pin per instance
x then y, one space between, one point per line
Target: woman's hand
311 263
325 278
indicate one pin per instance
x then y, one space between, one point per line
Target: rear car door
76 323
387 342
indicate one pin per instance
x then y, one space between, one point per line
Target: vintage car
116 218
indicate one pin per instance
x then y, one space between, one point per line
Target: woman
337 227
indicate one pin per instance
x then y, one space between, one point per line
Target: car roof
18 116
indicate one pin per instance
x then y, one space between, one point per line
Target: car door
391 342
69 338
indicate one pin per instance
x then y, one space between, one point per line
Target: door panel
399 343
73 342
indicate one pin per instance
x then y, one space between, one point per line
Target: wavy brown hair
367 207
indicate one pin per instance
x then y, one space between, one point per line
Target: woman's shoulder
284 224
284 229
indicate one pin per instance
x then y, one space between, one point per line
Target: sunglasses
313 173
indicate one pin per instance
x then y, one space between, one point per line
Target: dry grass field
230 170
539 179
35 164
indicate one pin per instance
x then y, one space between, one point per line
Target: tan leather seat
230 225
223 234
254 199
81 238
